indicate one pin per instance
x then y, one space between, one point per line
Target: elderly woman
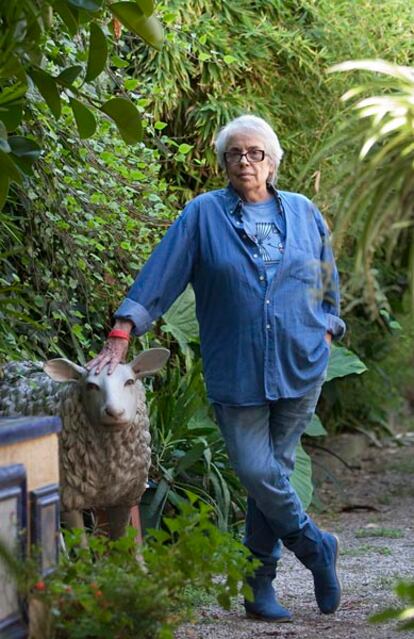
267 303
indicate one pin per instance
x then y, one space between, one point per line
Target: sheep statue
104 447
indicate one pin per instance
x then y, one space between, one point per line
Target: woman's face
245 175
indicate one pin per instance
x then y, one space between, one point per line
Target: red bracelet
118 332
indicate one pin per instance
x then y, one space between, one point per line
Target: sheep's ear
149 362
63 370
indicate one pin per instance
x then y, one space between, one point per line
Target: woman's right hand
113 352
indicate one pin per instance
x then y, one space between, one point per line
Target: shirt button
261 277
255 255
267 301
244 236
268 326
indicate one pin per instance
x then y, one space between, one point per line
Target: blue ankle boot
325 578
265 605
318 551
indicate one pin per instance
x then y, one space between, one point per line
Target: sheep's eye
92 387
130 382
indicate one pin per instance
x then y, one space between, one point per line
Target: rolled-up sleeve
331 295
164 276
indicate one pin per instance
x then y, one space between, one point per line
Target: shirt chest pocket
305 267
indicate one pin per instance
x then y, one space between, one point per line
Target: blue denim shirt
259 342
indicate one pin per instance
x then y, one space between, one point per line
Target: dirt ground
369 504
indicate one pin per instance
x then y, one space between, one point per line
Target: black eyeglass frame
246 155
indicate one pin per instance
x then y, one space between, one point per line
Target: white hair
249 124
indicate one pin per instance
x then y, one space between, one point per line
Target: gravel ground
370 506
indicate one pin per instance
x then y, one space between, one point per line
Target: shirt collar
234 201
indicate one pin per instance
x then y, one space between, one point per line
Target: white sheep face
110 401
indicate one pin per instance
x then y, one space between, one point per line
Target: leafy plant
77 237
188 451
377 193
108 593
27 57
220 60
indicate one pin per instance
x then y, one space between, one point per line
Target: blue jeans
261 443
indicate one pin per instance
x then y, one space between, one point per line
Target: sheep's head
109 401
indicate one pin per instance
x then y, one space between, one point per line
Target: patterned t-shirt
264 222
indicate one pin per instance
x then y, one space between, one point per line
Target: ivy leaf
118 62
146 6
9 169
69 75
131 84
87 5
126 118
98 52
134 19
184 148
25 152
84 118
48 89
203 57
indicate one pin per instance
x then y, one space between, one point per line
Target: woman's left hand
328 337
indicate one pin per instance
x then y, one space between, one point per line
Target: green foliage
181 322
377 187
187 449
106 592
78 238
97 54
140 21
31 51
342 363
301 478
405 613
220 60
126 117
374 402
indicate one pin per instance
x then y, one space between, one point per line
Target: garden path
371 508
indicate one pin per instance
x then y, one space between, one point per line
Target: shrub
106 593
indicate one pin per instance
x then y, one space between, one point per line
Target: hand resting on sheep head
114 350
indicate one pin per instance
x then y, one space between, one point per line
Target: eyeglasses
254 155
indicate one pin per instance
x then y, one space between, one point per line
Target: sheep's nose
113 412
